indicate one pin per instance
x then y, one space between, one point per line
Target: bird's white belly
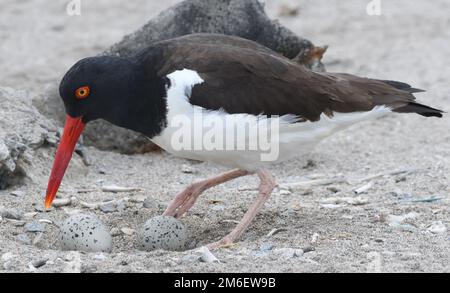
196 133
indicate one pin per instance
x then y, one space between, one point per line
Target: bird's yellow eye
82 92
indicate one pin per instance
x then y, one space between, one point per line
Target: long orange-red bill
72 131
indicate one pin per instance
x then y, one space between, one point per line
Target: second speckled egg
162 232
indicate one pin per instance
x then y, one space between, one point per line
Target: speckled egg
83 232
162 232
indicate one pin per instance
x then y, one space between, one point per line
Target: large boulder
246 19
22 130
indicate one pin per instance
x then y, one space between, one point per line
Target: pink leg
265 189
186 199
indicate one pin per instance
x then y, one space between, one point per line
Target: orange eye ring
82 92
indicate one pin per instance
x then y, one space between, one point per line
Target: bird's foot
265 189
183 201
187 198
225 242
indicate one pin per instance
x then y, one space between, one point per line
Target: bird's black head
118 89
123 91
97 87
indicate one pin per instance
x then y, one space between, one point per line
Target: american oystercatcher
220 78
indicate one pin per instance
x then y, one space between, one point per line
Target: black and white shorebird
222 77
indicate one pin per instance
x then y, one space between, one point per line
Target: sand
409 42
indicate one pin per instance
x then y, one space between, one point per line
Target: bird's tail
424 110
413 107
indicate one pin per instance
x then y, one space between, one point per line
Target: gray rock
10 213
206 255
34 227
190 259
149 203
108 207
115 232
39 207
17 193
17 223
22 130
39 263
246 19
121 206
23 238
266 247
288 253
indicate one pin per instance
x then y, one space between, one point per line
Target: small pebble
34 227
138 199
7 256
121 206
23 238
57 203
331 206
206 255
37 239
275 231
333 189
10 214
71 212
30 215
310 254
127 231
315 237
307 191
437 227
400 194
115 188
162 232
108 207
39 263
364 188
395 221
285 192
88 269
289 11
407 227
218 207
288 252
17 223
17 193
115 232
308 249
359 200
186 169
7 259
38 207
99 257
190 258
149 203
265 247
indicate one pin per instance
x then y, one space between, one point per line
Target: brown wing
241 76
